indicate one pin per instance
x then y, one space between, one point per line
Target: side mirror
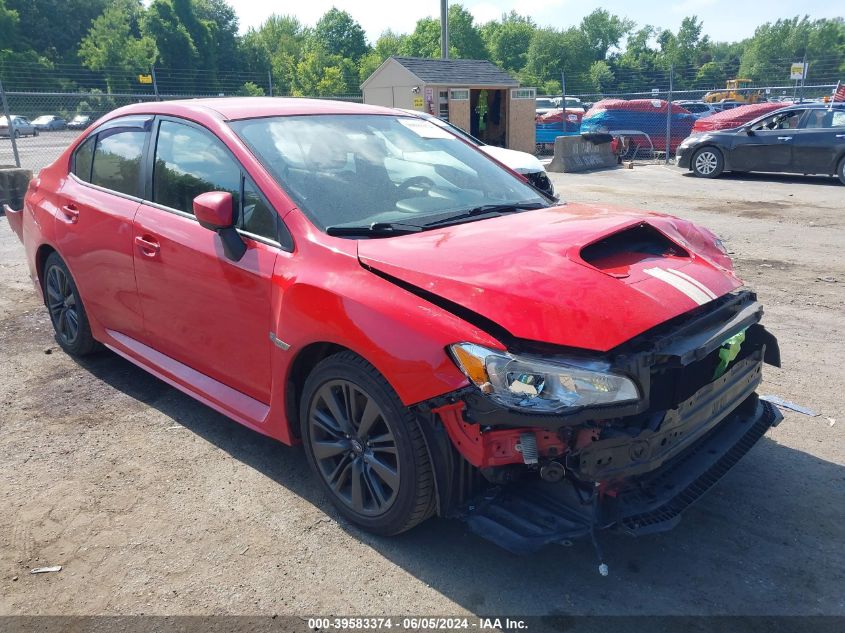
213 211
749 131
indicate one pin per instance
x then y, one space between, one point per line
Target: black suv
807 138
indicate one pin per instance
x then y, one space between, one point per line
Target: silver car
20 126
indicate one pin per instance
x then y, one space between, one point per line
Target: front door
767 145
200 308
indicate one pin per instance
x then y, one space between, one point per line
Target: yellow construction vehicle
736 90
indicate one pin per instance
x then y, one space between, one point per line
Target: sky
724 20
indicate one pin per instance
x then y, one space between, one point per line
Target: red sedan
440 336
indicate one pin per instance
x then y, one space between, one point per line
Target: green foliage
114 47
388 43
765 52
54 28
604 31
601 76
341 35
250 89
508 40
465 40
552 51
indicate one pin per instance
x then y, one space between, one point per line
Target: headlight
533 384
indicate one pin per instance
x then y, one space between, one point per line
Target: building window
524 93
459 94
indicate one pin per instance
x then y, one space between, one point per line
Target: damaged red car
441 337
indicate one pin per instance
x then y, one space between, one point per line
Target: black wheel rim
354 447
62 304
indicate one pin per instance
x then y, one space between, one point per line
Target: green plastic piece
728 352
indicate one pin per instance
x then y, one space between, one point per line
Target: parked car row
22 126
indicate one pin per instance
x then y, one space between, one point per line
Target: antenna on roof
444 29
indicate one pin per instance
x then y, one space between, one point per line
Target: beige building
475 95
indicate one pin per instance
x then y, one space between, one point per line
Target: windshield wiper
485 209
382 229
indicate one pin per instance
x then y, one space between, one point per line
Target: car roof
234 108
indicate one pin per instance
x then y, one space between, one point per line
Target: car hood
521 162
530 274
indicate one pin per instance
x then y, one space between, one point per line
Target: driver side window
780 121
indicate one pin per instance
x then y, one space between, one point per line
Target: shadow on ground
830 181
767 540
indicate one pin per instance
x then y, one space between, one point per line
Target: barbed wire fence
652 133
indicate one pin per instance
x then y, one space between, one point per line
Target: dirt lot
153 503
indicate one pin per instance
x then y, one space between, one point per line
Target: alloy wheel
61 302
706 163
354 448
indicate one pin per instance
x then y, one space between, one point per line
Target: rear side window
825 119
83 158
189 162
117 160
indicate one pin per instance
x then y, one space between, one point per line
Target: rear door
200 308
94 212
821 141
769 145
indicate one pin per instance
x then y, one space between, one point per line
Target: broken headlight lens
534 384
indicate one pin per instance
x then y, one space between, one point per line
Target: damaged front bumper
634 467
525 516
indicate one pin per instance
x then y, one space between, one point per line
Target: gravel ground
152 503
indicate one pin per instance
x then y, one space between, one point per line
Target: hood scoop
627 251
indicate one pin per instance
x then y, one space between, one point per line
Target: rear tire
365 446
840 171
61 296
708 162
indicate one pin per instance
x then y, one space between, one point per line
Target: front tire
70 322
708 162
840 171
365 446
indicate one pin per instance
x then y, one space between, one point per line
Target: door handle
784 138
147 245
70 213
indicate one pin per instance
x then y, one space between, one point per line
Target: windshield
374 170
547 103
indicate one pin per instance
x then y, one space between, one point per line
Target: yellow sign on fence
418 103
145 79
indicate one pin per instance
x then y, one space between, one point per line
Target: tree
276 46
464 37
551 52
341 35
604 31
774 46
320 73
601 76
54 28
115 46
388 44
224 33
251 89
508 40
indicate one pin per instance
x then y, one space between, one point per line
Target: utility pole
669 111
155 83
444 29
